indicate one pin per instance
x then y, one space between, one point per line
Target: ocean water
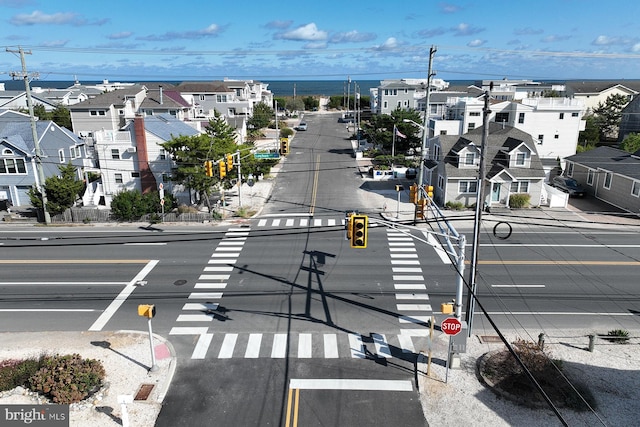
278 87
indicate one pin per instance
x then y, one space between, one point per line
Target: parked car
301 126
568 185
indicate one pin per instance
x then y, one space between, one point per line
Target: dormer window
521 159
469 159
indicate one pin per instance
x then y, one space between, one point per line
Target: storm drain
144 392
487 339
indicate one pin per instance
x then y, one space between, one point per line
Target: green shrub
14 373
519 200
67 379
618 335
286 132
456 206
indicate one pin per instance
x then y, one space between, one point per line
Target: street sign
451 326
266 155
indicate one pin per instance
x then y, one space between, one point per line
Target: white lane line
395 244
402 249
412 296
550 313
145 244
235 248
417 332
66 283
331 222
275 222
253 346
228 344
290 222
200 351
414 307
122 297
47 310
410 278
194 318
408 287
222 261
214 276
200 306
517 286
219 268
350 384
405 262
405 269
415 319
440 251
205 295
200 285
356 346
279 349
181 330
317 222
304 222
330 346
382 348
406 344
225 255
404 255
304 346
262 223
231 242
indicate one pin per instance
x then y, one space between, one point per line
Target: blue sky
321 40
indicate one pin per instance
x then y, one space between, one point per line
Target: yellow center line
314 190
295 408
74 261
525 262
292 401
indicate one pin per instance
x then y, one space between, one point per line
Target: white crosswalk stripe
299 222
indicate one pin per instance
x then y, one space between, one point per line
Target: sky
321 40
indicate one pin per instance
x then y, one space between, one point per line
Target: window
607 180
221 98
98 113
163 154
436 152
521 158
469 159
474 114
61 156
467 186
12 166
115 154
635 188
471 126
443 132
238 92
541 138
574 114
7 152
590 175
440 182
561 116
118 178
135 174
202 97
385 105
556 136
166 177
569 168
502 117
519 187
521 118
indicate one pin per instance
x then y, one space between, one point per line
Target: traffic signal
147 310
229 162
430 191
348 226
223 169
420 208
359 231
284 146
413 193
208 168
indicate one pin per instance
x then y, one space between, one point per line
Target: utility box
446 308
459 341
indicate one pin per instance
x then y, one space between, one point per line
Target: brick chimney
147 180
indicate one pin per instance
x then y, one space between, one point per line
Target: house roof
205 87
165 127
598 86
107 99
501 140
611 159
20 135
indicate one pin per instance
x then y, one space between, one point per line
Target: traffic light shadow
107 345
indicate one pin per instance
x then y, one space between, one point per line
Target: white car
301 126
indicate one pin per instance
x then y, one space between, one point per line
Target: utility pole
471 299
34 132
425 126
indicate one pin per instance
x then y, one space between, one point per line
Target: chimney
147 179
160 87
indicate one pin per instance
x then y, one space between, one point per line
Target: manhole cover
144 392
490 338
179 282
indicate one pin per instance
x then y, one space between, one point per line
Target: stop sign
451 326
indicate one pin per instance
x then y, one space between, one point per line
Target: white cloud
352 37
389 44
476 43
464 29
61 18
120 35
212 30
307 32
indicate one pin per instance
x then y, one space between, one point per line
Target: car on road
301 126
568 185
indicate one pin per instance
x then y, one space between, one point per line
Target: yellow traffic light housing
147 310
229 162
430 191
413 193
359 232
222 168
208 168
284 146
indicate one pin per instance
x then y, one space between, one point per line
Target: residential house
594 92
630 119
512 166
555 123
132 158
17 100
609 174
18 173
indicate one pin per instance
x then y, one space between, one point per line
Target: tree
380 130
631 143
310 103
262 116
295 104
190 153
62 191
609 114
590 136
59 115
